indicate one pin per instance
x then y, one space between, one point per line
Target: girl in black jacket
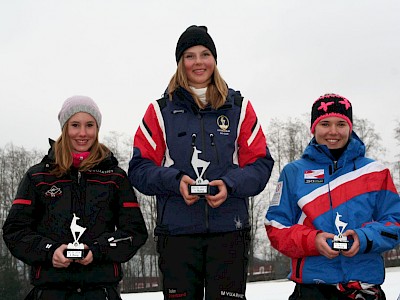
76 196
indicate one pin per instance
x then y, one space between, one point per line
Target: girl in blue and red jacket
201 132
333 192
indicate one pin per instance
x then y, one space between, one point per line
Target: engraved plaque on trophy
75 250
201 187
340 241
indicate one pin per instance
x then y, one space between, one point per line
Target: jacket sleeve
253 157
384 232
282 223
131 233
18 229
145 171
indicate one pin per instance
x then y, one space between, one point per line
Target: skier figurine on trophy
75 250
201 187
340 241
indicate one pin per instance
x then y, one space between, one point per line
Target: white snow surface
281 289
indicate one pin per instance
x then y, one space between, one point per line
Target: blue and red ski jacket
229 138
313 192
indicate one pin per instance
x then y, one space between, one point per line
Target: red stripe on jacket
104 182
130 204
364 184
248 154
22 201
156 155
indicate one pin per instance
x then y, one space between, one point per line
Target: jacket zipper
203 148
203 142
193 139
82 197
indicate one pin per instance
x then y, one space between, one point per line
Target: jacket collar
321 153
182 97
109 162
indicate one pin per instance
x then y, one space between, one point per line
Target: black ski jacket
40 218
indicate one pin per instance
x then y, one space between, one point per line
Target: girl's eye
90 125
189 56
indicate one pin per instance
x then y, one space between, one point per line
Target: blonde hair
217 90
63 154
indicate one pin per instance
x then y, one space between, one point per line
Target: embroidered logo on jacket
101 171
223 124
238 222
54 191
174 294
232 294
314 176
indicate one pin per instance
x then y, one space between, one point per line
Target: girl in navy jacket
201 136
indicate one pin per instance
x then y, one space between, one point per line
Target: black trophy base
199 189
74 254
340 245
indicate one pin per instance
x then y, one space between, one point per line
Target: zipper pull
79 177
212 139
193 138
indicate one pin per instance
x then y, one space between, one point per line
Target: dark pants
216 263
327 292
100 293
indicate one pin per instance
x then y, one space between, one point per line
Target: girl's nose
333 129
82 131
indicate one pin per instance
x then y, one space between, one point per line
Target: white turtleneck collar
201 93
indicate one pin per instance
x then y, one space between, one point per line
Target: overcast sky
280 54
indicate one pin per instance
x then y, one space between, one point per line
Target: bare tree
121 146
148 206
372 140
257 209
397 132
396 164
287 140
14 162
276 141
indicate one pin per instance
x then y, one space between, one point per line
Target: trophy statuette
201 187
75 250
340 242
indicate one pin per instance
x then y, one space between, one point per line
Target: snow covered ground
281 289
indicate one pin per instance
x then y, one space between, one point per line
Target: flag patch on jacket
314 176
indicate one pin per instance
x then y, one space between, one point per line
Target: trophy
340 242
75 250
201 187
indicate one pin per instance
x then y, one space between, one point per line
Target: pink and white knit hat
331 105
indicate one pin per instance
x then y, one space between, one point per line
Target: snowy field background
281 289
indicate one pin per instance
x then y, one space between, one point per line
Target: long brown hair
217 90
63 154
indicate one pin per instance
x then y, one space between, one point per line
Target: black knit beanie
193 36
331 105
